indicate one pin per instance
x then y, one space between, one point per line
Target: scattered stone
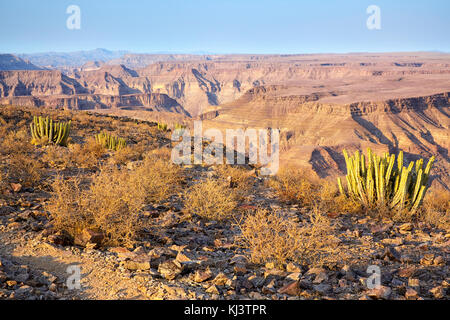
291 289
269 288
22 277
213 290
292 267
5 210
184 257
323 288
438 292
316 270
439 261
137 264
170 269
392 254
23 292
89 236
255 295
53 287
239 259
321 277
413 282
201 276
11 283
294 276
380 228
411 294
398 241
61 238
122 253
427 259
240 269
382 292
406 272
16 187
257 282
221 279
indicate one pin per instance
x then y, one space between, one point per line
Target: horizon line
199 52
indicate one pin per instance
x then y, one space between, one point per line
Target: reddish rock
292 289
89 236
61 238
16 187
380 293
411 294
202 275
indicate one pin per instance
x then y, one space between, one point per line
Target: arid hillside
138 226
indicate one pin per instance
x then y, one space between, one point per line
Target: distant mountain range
66 61
12 62
71 59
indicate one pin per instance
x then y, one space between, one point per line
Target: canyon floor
181 255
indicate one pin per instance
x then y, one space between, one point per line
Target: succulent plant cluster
162 126
110 142
385 181
45 131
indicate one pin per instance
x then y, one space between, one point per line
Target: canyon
322 103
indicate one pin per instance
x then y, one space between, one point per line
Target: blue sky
226 26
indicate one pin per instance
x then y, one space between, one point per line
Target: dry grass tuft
281 238
110 205
57 157
113 200
211 199
86 155
15 141
271 237
159 178
436 209
294 186
25 169
329 200
129 153
237 177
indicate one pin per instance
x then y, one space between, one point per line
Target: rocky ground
193 259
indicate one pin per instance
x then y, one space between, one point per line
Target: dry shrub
57 157
270 236
295 186
66 206
238 177
331 201
15 142
25 169
436 208
113 200
160 178
86 155
280 238
111 205
211 199
129 153
161 153
2 181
